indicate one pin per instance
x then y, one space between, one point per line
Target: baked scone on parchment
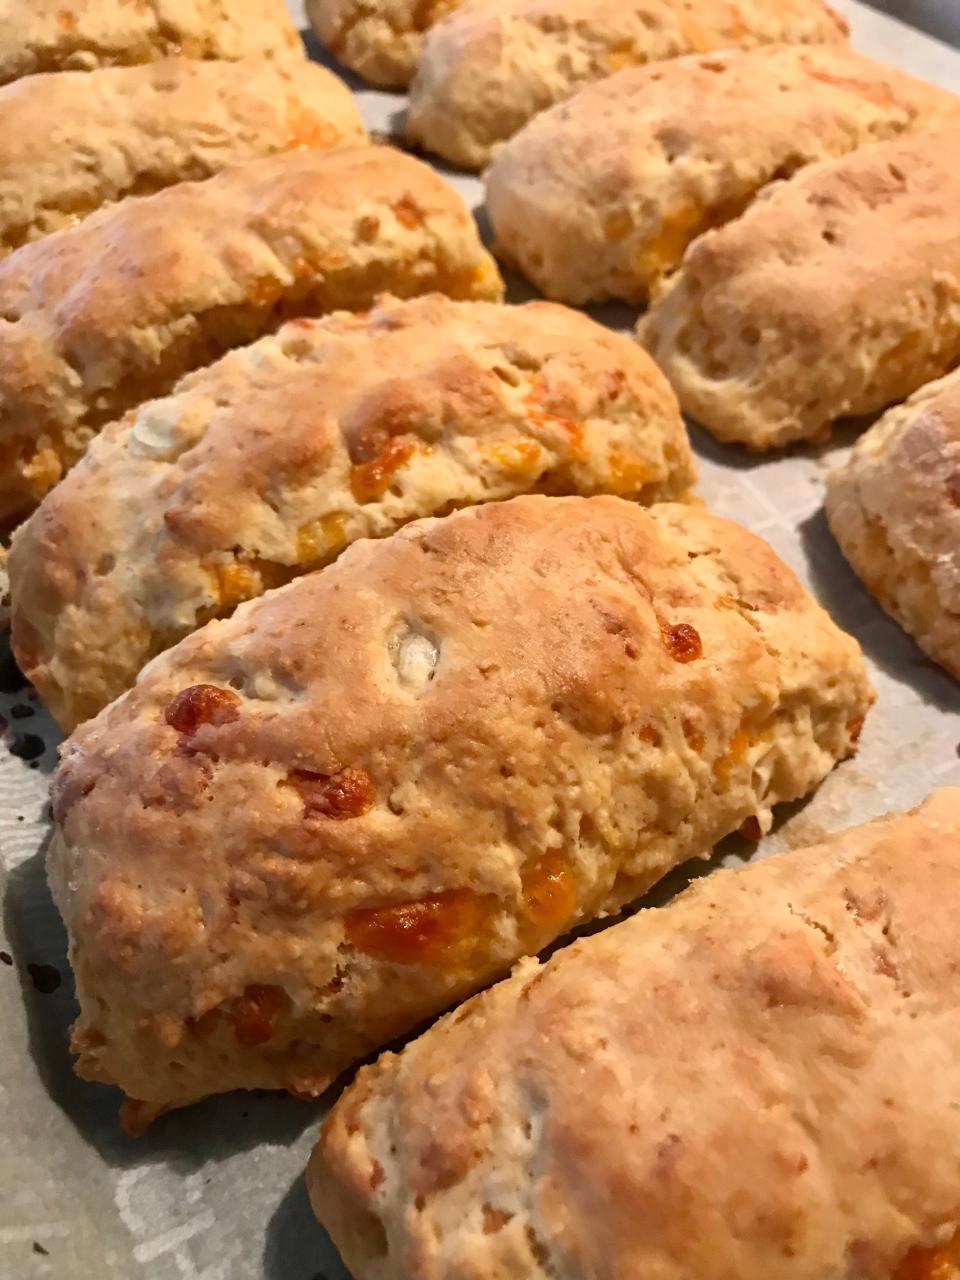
269 463
834 295
80 35
314 824
378 39
599 197
492 65
759 1080
73 141
894 508
112 312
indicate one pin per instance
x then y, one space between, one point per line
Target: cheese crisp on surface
364 795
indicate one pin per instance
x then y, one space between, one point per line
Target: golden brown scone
492 65
312 825
101 317
361 424
757 1081
894 507
599 197
833 296
80 35
379 39
73 141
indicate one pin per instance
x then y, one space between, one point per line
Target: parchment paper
216 1192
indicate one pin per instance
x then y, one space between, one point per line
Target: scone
101 317
759 1081
894 508
599 197
74 141
79 35
361 424
833 296
364 795
381 40
492 65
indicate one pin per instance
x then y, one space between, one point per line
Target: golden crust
436 755
894 508
494 64
102 317
599 197
759 1080
75 141
362 424
380 41
834 295
80 35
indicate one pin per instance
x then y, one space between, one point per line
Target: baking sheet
216 1192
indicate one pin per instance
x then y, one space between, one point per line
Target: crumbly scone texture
758 1080
492 65
599 197
74 141
833 295
380 41
894 508
362 423
81 35
112 312
392 778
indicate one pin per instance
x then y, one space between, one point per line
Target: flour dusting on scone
492 65
81 35
600 196
75 141
272 461
894 508
314 824
113 312
835 295
759 1081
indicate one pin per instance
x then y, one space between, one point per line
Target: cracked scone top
267 464
101 317
75 141
492 65
80 35
835 294
894 508
600 196
757 1081
310 826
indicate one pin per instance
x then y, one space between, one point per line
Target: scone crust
834 295
436 755
492 65
102 317
74 141
81 35
599 197
379 41
362 423
894 508
759 1080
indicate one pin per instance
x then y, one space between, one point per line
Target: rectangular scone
758 1082
599 197
363 796
80 35
835 294
361 423
894 508
492 65
74 141
101 317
